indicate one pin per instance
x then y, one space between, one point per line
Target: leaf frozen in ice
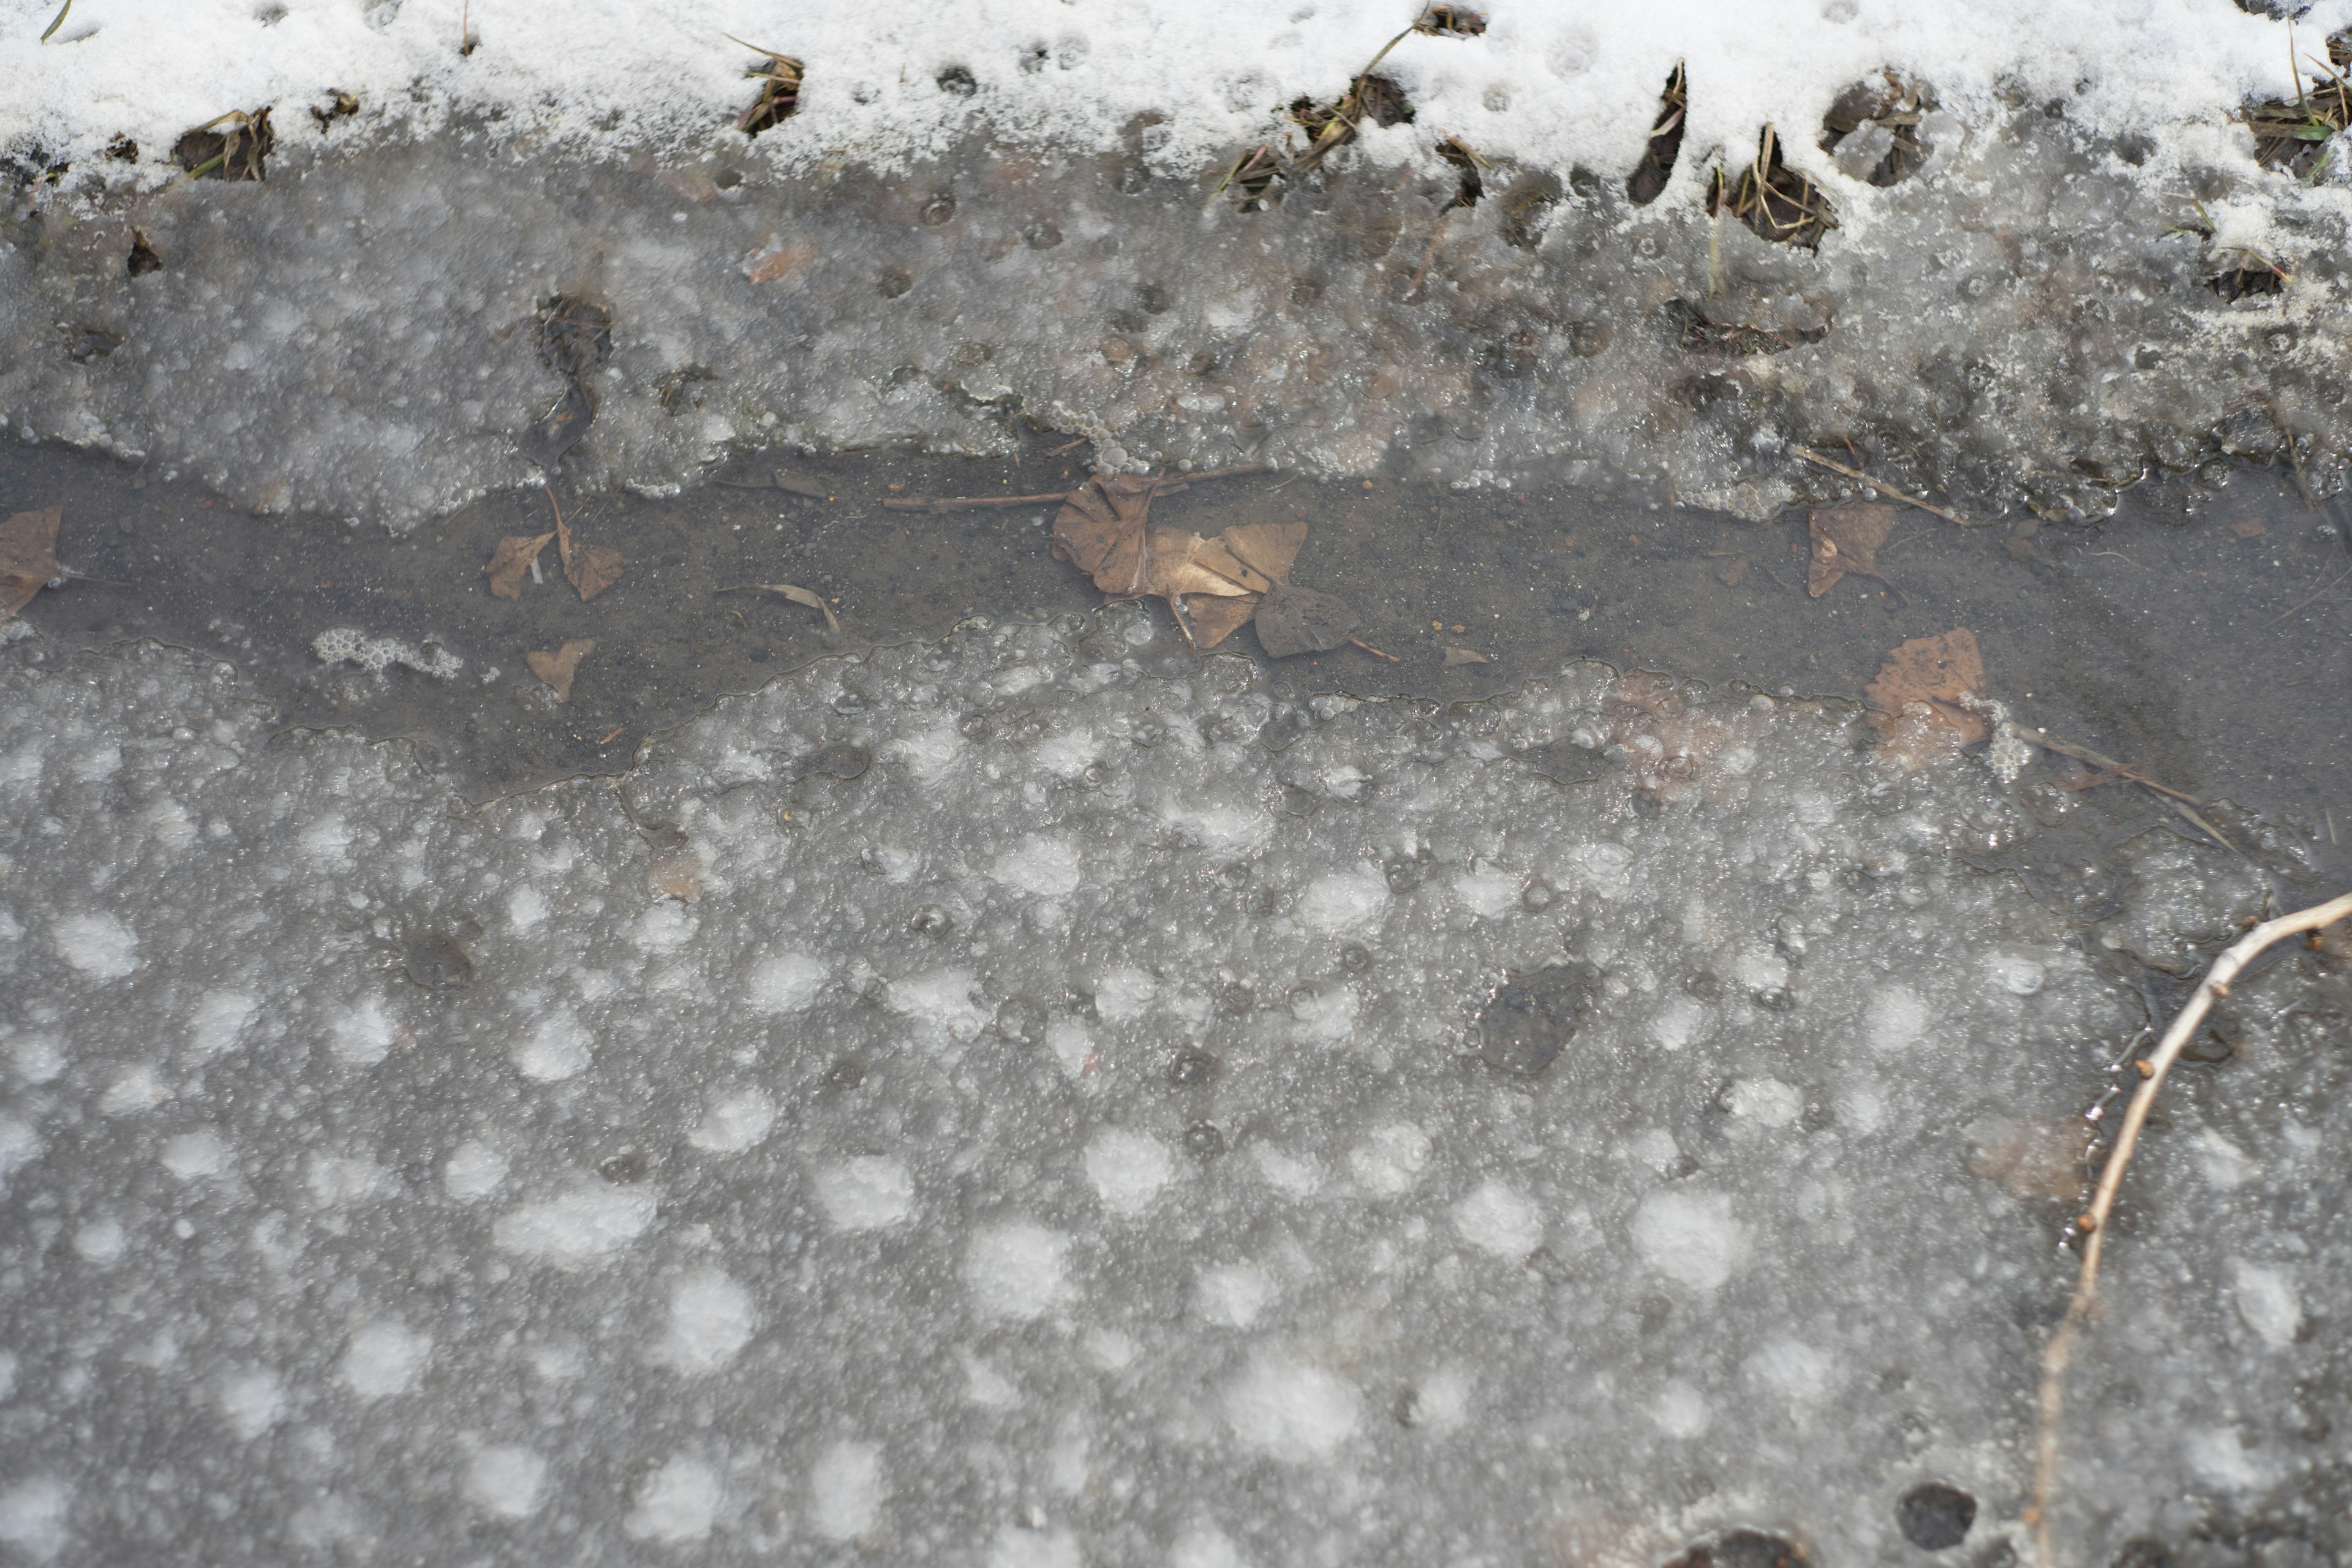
511 560
557 668
29 557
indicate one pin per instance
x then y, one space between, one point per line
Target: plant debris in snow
557 668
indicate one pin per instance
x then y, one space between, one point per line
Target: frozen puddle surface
1035 1101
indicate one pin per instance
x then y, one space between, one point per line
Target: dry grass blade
56 22
231 146
779 97
1889 491
2094 1224
1451 22
1649 177
796 594
1773 199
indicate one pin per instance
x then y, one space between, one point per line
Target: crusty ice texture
854 1201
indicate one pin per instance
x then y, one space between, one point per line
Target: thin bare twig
2121 770
1169 486
1889 491
2094 1224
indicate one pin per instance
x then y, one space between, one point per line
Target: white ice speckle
734 1122
218 1020
2222 1163
1496 1219
342 644
364 1035
506 1480
1680 1411
869 1191
1352 900
1071 1046
1689 1236
578 1227
710 1319
1676 1022
251 1402
1388 1163
1896 1018
526 908
2267 1301
139 1089
1442 1402
473 1170
943 999
1287 1173
2017 975
1127 1169
784 983
678 1503
1205 1546
33 1517
337 1179
1797 1372
100 1241
1766 1102
325 840
557 1047
845 1490
1016 1270
1290 1410
385 1359
1046 868
99 945
18 1144
1232 1295
1018 1548
194 1155
2219 1456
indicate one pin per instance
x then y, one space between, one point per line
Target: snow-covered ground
1032 1100
1002 216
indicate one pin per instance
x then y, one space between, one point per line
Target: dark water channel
2210 645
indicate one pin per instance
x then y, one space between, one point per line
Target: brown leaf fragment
1846 540
796 594
1302 620
1268 548
1917 695
1210 618
2247 528
1100 529
29 557
2030 1159
557 668
676 875
595 568
1177 563
1734 574
511 561
1454 656
2334 940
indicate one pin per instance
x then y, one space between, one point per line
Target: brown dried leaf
1302 620
1100 528
29 557
1269 548
1916 694
511 560
595 568
796 594
2334 940
1210 618
2030 1159
2247 528
1846 540
1454 656
1734 574
1181 563
557 668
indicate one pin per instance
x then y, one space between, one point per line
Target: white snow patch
99 945
677 1503
787 982
2267 1301
1391 1161
578 1227
251 1402
383 1358
1205 1546
506 1480
473 1170
1498 1220
1043 866
734 1122
217 1020
869 1191
1689 1236
1232 1295
1017 1548
845 1490
1016 1270
943 999
1290 1410
100 1241
33 1517
1896 1018
1127 1169
1347 901
556 1049
710 1319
